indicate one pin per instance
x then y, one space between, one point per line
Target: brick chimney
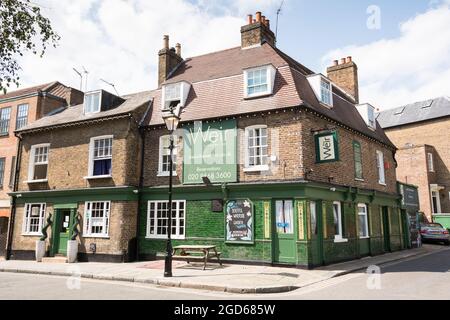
256 31
344 73
169 58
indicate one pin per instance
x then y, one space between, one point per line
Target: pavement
229 278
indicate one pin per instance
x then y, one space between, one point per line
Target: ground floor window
157 219
363 223
312 208
34 218
338 221
96 219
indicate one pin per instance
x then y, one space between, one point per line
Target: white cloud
412 67
118 40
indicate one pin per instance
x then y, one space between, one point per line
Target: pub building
274 163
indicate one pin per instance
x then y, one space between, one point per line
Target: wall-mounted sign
210 151
327 147
239 221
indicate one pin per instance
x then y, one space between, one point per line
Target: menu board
239 222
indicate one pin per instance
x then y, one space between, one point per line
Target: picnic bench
196 253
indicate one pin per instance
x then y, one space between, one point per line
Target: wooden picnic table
196 252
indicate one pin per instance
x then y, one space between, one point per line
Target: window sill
31 234
95 237
4 135
166 174
98 177
164 238
382 184
256 169
37 181
259 95
340 240
360 180
364 237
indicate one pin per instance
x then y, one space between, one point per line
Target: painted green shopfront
300 223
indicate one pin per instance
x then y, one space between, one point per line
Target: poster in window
239 222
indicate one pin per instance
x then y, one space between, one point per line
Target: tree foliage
22 29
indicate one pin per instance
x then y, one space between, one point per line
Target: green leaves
22 29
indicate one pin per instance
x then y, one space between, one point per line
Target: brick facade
414 142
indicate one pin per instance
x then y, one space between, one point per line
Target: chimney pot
258 16
263 19
178 49
166 42
342 60
349 59
335 63
254 20
250 19
267 23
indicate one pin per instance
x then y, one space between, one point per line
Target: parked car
434 232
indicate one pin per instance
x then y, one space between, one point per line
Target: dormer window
323 89
175 94
367 112
259 81
92 102
325 92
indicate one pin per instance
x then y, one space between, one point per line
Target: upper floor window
259 81
92 102
367 112
357 154
325 92
256 148
22 116
33 219
371 117
5 115
430 162
12 176
380 166
363 221
38 166
2 171
175 94
100 156
164 157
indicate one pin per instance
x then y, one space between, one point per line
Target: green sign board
210 151
327 147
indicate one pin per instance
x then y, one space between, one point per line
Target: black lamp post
171 118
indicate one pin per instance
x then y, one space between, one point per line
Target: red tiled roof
217 89
26 91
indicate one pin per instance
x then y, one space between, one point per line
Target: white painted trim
340 235
430 162
270 76
164 236
107 176
31 163
256 168
26 221
247 167
340 240
99 102
36 181
366 214
85 233
162 173
91 155
380 168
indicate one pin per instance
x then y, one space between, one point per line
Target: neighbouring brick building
274 163
421 132
81 163
17 109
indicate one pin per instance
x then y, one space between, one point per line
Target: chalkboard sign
239 221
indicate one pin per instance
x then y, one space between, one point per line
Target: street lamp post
171 118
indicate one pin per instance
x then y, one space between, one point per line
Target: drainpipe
13 200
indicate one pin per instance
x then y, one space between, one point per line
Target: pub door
284 241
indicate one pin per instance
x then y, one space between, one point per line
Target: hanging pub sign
327 147
239 221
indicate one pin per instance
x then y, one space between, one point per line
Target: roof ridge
211 53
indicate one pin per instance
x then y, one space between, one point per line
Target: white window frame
329 90
184 88
5 118
162 173
99 107
22 120
339 237
32 164
380 167
88 221
430 162
262 167
177 219
270 79
435 194
27 219
91 157
366 216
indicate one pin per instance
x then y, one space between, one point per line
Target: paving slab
231 278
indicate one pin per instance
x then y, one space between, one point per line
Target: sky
401 47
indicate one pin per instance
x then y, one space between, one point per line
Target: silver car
434 232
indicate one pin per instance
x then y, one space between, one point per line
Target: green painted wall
442 219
